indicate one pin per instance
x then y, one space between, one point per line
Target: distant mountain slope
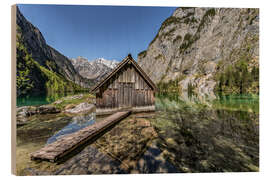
95 69
195 47
37 59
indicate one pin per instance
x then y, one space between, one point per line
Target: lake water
41 99
194 134
76 123
202 135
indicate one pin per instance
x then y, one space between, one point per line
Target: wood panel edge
13 88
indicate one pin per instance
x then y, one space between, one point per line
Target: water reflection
192 98
249 103
202 138
77 123
246 102
185 134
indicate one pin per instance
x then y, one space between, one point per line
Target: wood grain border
13 89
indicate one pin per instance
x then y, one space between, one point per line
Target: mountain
109 63
204 50
41 68
95 69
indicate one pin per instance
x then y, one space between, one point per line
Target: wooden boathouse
127 87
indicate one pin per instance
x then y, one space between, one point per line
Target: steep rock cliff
195 44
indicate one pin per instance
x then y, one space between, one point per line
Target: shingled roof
126 60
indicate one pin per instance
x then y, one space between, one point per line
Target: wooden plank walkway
61 147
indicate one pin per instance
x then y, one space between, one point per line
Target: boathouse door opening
126 90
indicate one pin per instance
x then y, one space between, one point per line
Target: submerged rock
22 113
26 111
128 141
171 142
47 109
81 108
69 105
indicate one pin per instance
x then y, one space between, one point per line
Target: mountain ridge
93 69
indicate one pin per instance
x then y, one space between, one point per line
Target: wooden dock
61 147
109 111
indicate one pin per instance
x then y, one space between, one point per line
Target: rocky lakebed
118 150
182 135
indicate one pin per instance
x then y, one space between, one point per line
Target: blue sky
110 32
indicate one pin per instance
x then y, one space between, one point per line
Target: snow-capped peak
110 63
94 69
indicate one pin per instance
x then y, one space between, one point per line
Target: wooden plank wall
127 88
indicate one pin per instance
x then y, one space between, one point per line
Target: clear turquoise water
247 103
76 123
195 133
35 100
206 134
